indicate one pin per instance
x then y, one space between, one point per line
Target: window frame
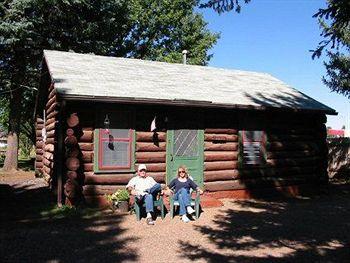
263 152
98 145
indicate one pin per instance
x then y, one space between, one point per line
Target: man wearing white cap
145 189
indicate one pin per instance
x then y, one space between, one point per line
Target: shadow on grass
33 229
277 231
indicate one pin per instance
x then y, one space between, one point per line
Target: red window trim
100 151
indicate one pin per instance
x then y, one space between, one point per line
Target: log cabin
238 132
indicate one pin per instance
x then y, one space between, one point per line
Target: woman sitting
181 187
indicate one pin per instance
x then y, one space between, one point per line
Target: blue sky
275 36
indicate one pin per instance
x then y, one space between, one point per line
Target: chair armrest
198 196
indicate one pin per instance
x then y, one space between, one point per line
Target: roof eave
192 103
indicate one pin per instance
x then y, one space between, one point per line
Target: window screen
114 149
186 143
253 147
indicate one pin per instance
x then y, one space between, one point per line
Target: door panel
185 147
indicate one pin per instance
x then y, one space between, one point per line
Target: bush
118 196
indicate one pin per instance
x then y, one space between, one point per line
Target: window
115 150
252 148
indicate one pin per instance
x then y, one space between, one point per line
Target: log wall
295 151
295 154
45 146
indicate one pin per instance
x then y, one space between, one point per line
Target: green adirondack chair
156 203
195 202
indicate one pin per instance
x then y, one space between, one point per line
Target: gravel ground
315 229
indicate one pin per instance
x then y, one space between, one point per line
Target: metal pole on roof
184 57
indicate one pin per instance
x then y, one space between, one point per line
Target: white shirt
141 184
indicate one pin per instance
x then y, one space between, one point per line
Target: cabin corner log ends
74 159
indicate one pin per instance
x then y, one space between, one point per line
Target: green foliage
118 196
335 24
54 212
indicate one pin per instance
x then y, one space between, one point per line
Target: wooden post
60 154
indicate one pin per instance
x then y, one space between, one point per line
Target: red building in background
335 133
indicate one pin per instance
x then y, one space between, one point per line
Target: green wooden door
185 147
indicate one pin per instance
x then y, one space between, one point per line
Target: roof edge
192 103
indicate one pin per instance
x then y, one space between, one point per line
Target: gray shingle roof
87 76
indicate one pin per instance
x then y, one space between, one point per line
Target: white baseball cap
142 167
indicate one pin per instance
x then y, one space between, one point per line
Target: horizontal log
107 179
228 146
39 164
52 93
39 158
39 151
293 162
289 154
220 156
39 126
39 121
119 179
280 130
50 140
69 132
159 177
87 136
38 133
47 169
87 156
50 102
39 144
72 120
255 183
283 146
49 148
52 114
289 137
155 167
48 163
224 185
101 189
51 87
50 121
210 176
51 108
73 152
71 141
71 188
48 155
72 175
88 167
150 147
221 131
150 136
50 134
86 146
275 172
221 165
150 157
221 137
72 163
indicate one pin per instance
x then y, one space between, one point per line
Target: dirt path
313 229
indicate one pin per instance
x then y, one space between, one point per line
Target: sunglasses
182 172
143 170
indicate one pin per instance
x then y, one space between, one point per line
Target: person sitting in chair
182 185
145 189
